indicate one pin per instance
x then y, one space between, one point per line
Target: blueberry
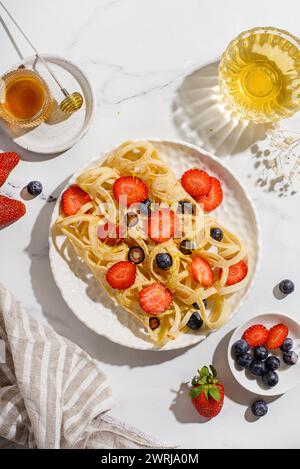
164 261
196 306
146 207
240 347
34 188
290 358
217 234
261 352
244 360
286 287
195 321
257 368
270 378
187 247
287 345
154 323
259 408
136 255
186 207
131 219
272 363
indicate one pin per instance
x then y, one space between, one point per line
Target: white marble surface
137 53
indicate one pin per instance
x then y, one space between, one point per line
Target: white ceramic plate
289 376
91 304
61 131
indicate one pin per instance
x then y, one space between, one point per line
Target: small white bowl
289 376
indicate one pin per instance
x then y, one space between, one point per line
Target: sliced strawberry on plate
73 199
9 160
10 210
109 233
129 190
155 298
4 173
196 182
201 271
276 336
256 335
237 273
214 198
162 225
121 275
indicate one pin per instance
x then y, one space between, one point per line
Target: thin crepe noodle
141 159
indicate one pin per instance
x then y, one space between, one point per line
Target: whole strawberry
207 392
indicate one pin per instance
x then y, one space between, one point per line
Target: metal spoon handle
34 49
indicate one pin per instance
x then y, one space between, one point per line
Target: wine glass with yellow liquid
259 74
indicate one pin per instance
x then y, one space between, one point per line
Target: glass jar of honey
259 74
25 99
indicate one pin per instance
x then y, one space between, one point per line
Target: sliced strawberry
10 210
110 233
121 275
73 199
237 273
196 182
202 272
155 299
162 225
276 336
130 188
256 335
214 198
9 160
4 173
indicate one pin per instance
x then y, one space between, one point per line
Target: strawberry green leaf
195 392
214 392
203 380
204 372
213 370
206 393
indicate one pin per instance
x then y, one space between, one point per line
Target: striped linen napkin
52 393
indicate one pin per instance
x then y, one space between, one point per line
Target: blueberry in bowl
272 363
261 352
287 345
240 347
257 368
290 358
270 378
245 360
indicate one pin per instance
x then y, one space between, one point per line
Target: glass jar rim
266 30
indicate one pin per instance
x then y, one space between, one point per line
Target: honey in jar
259 74
25 98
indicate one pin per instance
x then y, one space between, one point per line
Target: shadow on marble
233 390
7 144
59 314
182 406
278 293
203 118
